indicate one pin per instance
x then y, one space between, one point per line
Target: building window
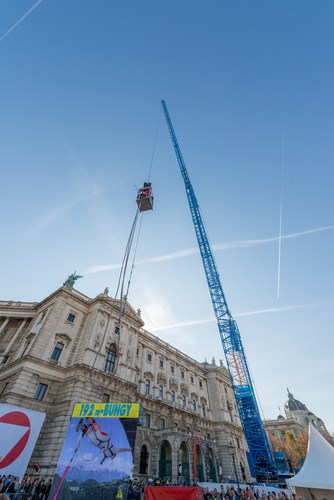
203 409
117 330
137 352
110 359
161 391
175 424
194 405
149 357
161 364
71 318
192 380
184 400
238 444
162 423
147 420
172 369
57 351
40 392
182 374
147 387
105 398
187 428
173 396
200 384
208 436
143 465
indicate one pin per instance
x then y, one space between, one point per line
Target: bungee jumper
145 197
92 430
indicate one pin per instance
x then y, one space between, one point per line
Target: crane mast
261 458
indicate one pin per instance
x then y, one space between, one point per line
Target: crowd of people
33 488
136 492
244 494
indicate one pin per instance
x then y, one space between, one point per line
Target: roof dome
293 404
280 416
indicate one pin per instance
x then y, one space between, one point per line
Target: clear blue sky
249 86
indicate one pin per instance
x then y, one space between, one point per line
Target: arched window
143 466
110 359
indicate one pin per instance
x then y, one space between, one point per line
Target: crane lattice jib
235 357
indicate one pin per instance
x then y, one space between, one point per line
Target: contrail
249 313
280 219
20 20
218 246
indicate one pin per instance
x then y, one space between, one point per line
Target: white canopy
318 469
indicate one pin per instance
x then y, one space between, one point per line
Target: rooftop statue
72 279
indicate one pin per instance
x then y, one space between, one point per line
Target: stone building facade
47 350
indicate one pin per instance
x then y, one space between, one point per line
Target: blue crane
260 458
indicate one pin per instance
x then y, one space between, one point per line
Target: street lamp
232 449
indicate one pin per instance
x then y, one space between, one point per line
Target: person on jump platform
92 430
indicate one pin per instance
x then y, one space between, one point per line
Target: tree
293 449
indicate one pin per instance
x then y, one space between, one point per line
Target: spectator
28 486
47 489
11 486
39 488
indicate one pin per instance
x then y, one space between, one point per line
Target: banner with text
96 458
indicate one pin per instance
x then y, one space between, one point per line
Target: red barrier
173 493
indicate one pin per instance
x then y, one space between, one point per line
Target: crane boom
262 460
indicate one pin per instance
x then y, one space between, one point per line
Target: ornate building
297 420
47 350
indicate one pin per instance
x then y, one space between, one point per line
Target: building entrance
165 461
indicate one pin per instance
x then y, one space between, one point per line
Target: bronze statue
72 279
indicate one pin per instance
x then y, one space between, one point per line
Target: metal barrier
26 496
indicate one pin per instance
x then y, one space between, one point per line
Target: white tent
316 478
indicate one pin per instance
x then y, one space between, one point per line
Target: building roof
293 404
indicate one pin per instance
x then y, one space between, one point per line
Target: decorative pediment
184 388
193 395
129 311
63 338
148 376
203 401
161 378
111 345
173 383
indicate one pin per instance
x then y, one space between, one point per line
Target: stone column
3 326
15 337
